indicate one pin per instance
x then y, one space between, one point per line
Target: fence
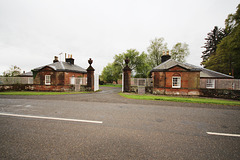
78 82
16 80
147 82
230 84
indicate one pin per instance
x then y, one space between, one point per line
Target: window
72 80
210 83
47 79
176 82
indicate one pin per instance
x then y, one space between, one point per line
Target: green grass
111 85
182 99
37 93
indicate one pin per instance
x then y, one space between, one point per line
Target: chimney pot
70 60
55 59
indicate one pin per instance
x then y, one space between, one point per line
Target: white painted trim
179 83
50 118
223 134
46 80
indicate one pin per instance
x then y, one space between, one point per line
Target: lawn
181 99
111 85
37 93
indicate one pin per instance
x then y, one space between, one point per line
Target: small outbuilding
57 76
175 78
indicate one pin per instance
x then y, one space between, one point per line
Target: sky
32 32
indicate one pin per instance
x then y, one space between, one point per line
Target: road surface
104 125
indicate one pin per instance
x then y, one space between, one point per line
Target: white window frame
47 79
210 83
178 82
72 80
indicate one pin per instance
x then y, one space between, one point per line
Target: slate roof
204 73
63 67
27 74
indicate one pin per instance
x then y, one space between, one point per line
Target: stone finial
90 61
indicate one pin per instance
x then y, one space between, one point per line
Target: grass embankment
182 99
37 93
111 85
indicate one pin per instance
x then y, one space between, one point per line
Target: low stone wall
147 89
17 87
176 91
33 87
221 93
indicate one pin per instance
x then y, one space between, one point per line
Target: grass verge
111 85
181 99
37 93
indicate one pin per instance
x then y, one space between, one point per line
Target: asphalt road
117 128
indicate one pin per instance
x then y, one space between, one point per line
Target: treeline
222 47
142 63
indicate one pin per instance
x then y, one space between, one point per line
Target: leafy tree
226 59
213 39
143 68
179 52
138 62
108 74
155 50
13 71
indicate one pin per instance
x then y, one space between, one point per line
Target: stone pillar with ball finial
90 75
126 76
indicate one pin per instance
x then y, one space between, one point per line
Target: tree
138 62
179 52
110 74
213 39
226 59
13 71
155 50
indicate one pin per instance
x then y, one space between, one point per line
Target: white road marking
50 118
224 134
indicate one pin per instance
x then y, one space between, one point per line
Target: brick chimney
55 59
165 57
70 60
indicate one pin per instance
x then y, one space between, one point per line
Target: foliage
155 50
213 39
110 73
179 52
181 99
226 59
138 62
13 71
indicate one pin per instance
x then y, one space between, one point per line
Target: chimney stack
165 57
55 59
70 60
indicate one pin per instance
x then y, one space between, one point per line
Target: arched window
176 82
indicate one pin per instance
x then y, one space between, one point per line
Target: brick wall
60 81
190 82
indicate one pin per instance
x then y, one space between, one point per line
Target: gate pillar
126 77
90 76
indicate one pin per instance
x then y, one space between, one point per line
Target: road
106 126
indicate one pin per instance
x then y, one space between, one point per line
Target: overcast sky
32 32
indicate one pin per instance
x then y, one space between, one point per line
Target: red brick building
176 78
58 76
